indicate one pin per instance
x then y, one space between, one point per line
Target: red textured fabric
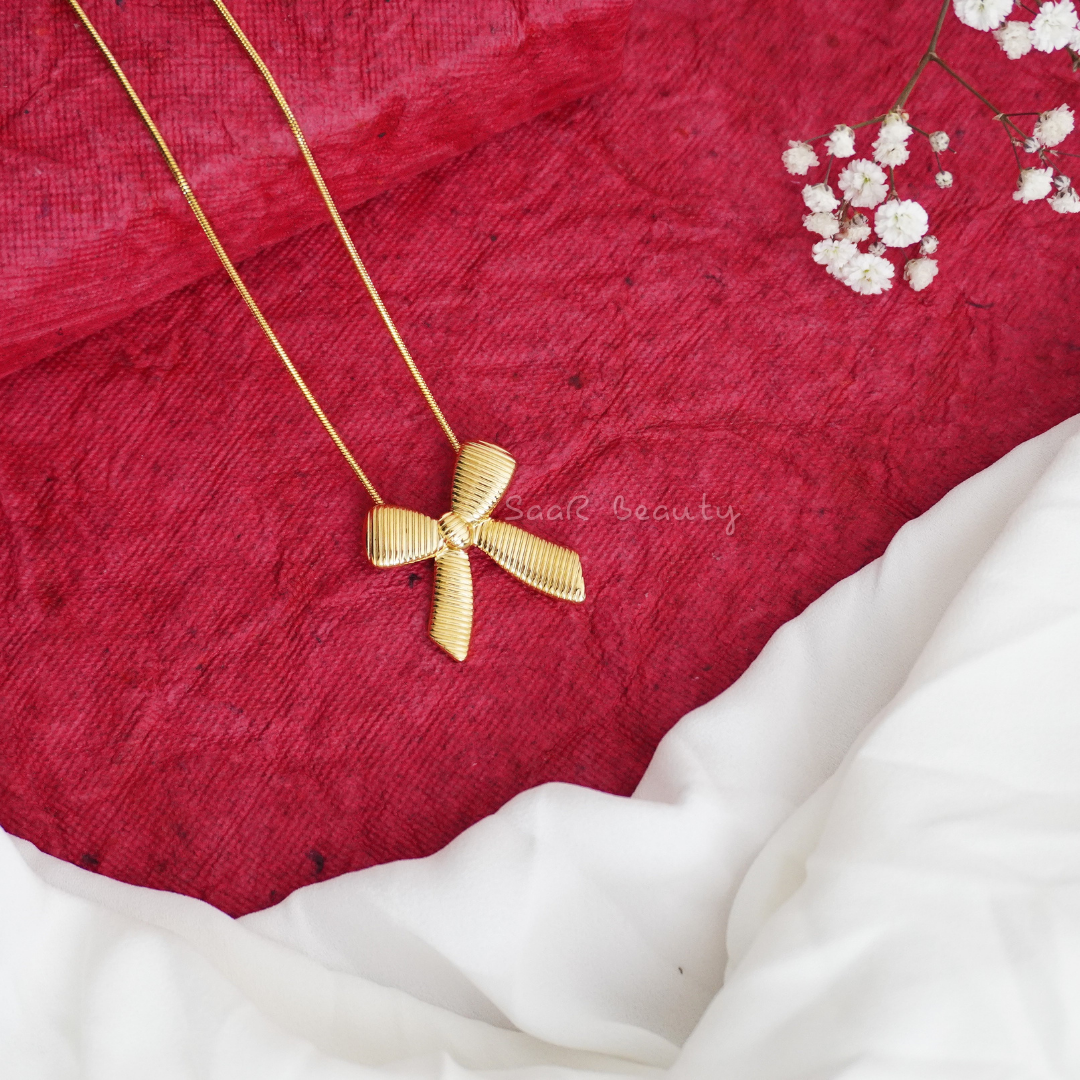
208 689
95 228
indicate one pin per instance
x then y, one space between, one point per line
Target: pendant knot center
455 531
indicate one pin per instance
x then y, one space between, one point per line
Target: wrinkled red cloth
206 686
385 91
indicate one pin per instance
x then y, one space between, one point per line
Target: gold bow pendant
397 537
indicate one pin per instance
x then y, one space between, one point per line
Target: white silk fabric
861 861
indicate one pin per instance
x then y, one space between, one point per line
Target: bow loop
481 477
397 537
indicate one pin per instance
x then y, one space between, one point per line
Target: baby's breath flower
928 245
841 143
901 222
939 141
863 183
890 146
1053 27
1034 184
1015 38
1062 182
1066 202
943 179
918 273
1031 145
834 254
799 157
890 153
1053 125
823 224
819 198
877 248
982 14
857 229
894 128
868 274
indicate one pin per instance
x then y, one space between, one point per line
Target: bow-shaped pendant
397 537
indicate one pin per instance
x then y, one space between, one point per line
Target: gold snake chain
230 269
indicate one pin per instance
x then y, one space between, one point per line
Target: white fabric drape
861 860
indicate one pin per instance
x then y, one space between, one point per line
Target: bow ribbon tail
452 603
544 566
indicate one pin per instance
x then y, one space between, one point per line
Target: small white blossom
901 222
1015 38
1074 40
1053 27
841 143
823 224
1053 125
939 141
857 229
819 198
1066 202
834 254
877 248
863 183
918 273
982 14
928 245
799 157
1034 184
1031 145
868 274
890 146
943 179
1062 182
891 153
894 128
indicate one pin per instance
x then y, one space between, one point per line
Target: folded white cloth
861 860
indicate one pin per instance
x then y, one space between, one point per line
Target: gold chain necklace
482 472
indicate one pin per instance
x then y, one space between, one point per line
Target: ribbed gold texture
452 603
545 566
396 536
481 477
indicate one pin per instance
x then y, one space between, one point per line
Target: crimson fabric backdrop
205 687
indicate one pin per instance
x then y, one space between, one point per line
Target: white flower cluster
864 185
1036 184
1053 125
869 183
1055 26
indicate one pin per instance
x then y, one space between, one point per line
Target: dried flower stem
930 54
931 57
854 127
998 114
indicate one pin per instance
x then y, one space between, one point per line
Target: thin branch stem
854 127
1011 129
927 57
1012 143
998 114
